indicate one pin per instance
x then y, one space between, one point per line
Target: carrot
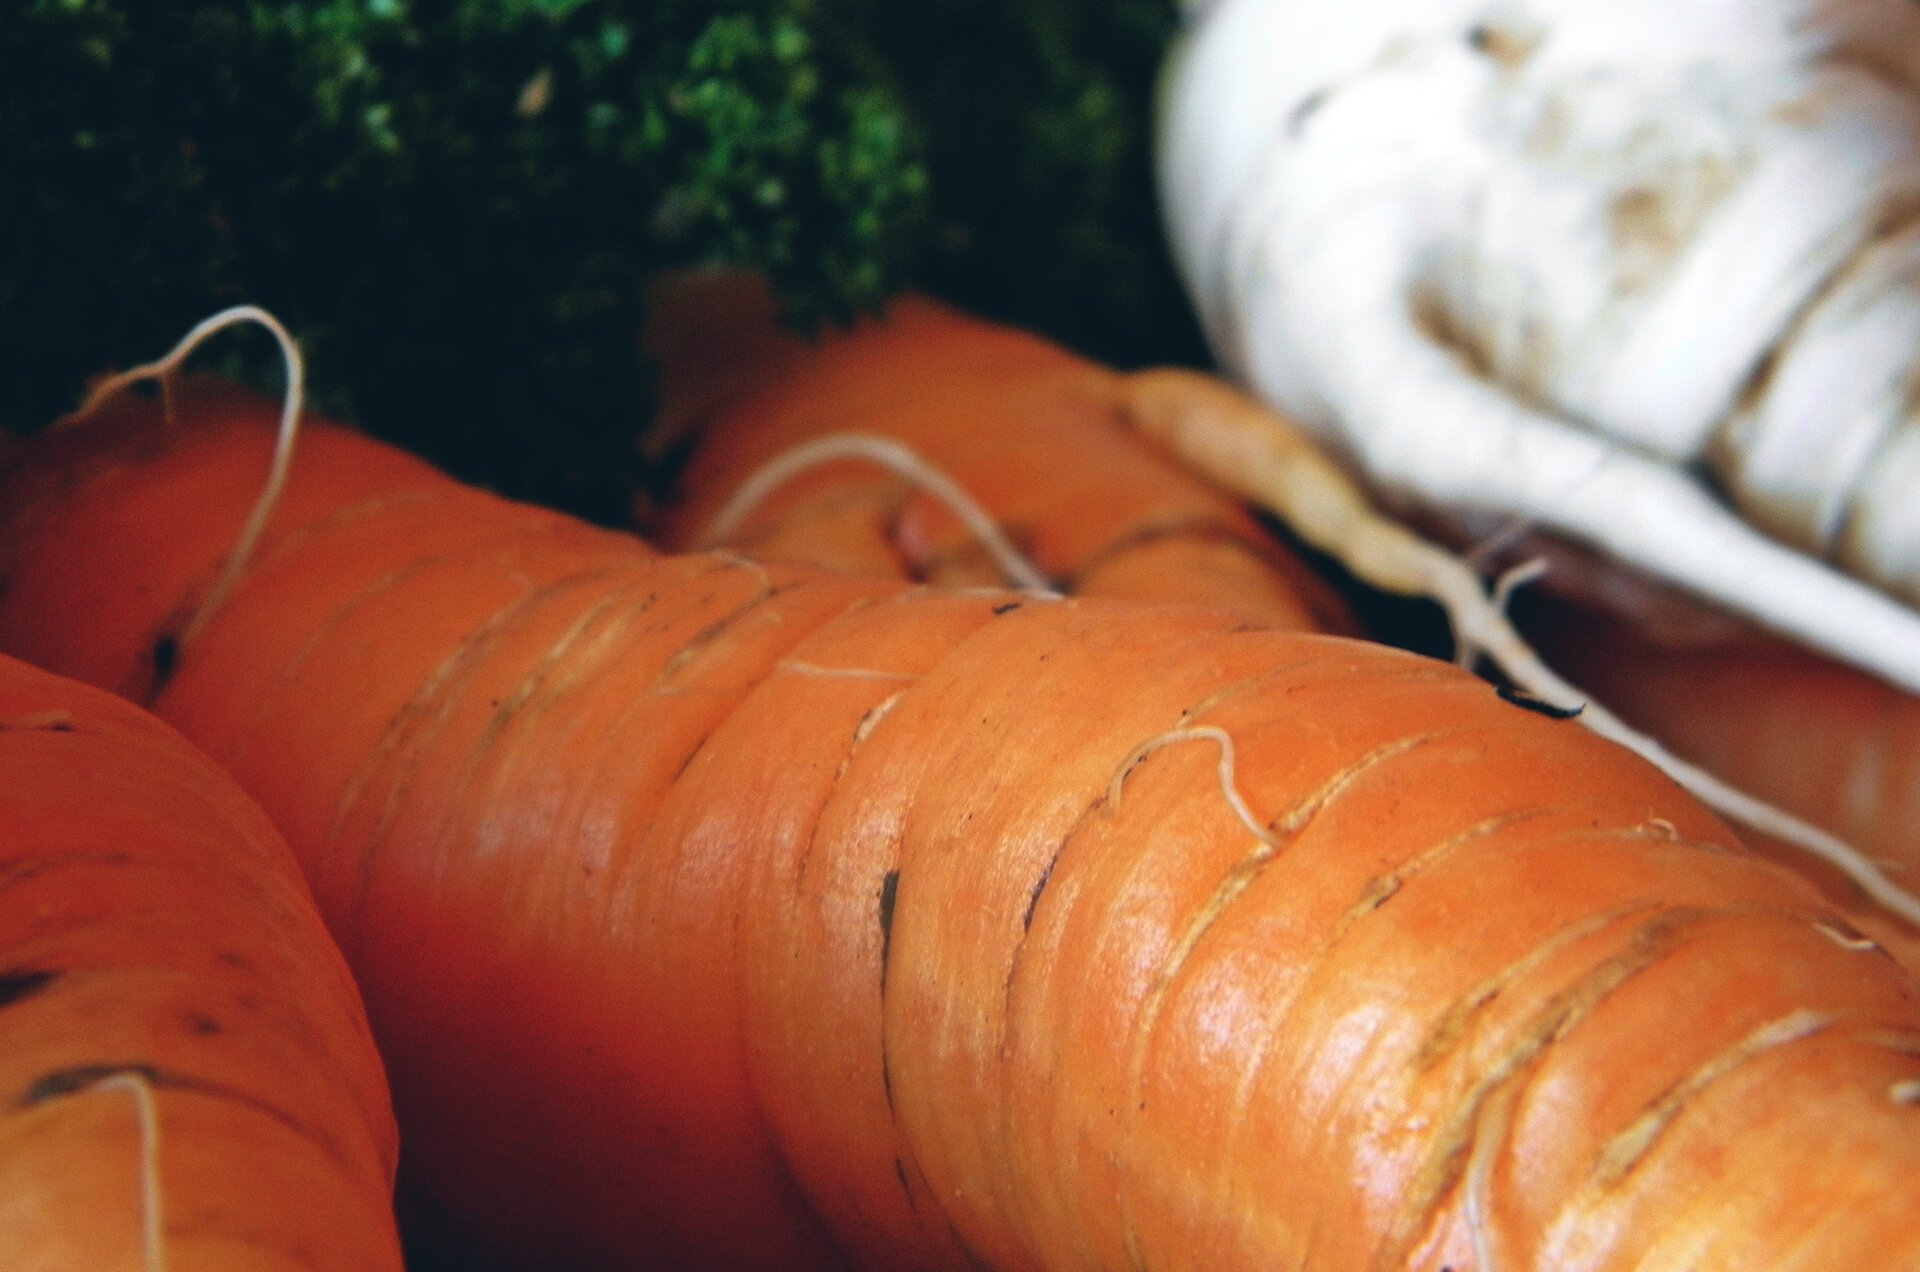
1058 448
189 1080
1828 742
720 913
1033 433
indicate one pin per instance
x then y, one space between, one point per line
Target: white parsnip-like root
1645 273
162 370
1254 452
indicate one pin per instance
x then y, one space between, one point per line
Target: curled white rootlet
163 370
902 461
1229 788
1645 272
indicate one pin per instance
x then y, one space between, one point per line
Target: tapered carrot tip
186 1077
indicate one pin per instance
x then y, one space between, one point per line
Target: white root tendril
1228 786
1248 449
1465 652
152 1205
1853 944
1515 578
162 370
903 462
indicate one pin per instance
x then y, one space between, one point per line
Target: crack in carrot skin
1446 1159
1627 1148
1273 839
1452 1028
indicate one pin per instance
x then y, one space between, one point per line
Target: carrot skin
1031 431
772 918
1826 742
162 951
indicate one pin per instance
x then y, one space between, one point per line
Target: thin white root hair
1228 786
1854 944
152 1204
1465 652
1516 660
162 370
902 461
1247 448
1515 578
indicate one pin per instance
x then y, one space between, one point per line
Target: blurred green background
455 205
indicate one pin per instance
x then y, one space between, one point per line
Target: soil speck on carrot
1539 706
24 983
166 657
889 891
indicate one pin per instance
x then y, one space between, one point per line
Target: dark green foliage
1038 125
454 203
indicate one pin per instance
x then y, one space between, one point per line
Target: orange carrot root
1004 412
189 1079
895 458
974 435
686 956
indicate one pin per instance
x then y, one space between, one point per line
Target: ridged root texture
726 914
1033 433
186 1079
